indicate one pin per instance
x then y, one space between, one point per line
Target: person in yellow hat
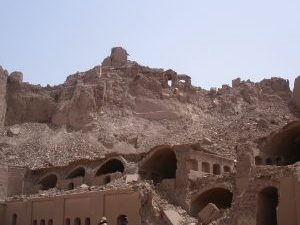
103 221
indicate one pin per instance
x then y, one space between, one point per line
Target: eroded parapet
12 181
3 105
174 80
117 58
296 92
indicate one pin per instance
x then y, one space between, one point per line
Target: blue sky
212 41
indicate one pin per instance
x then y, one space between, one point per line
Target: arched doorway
48 182
111 166
161 164
267 202
221 197
77 221
258 160
87 221
14 219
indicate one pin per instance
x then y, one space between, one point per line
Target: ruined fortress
124 139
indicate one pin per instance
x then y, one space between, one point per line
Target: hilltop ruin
122 139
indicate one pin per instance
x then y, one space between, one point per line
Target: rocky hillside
127 108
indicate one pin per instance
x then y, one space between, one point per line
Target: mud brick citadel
125 140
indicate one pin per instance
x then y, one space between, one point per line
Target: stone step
172 217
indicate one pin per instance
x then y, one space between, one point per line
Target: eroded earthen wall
2 208
296 92
3 80
92 206
3 182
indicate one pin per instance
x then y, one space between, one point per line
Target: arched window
77 221
50 222
279 161
160 164
216 169
42 222
71 186
48 182
68 221
14 219
269 161
227 169
192 164
258 160
87 221
111 166
122 220
205 167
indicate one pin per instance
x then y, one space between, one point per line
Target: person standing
124 221
103 221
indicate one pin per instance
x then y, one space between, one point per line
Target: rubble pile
124 107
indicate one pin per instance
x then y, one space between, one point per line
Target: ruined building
125 140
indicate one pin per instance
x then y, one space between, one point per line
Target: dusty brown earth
128 108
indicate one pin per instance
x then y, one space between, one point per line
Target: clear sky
212 41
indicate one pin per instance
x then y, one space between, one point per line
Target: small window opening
216 169
226 169
269 161
205 167
14 219
68 221
258 160
77 221
87 221
71 186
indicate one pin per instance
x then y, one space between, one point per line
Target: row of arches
87 220
216 168
259 160
110 166
161 164
281 147
42 222
77 221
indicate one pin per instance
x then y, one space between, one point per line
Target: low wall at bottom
88 208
